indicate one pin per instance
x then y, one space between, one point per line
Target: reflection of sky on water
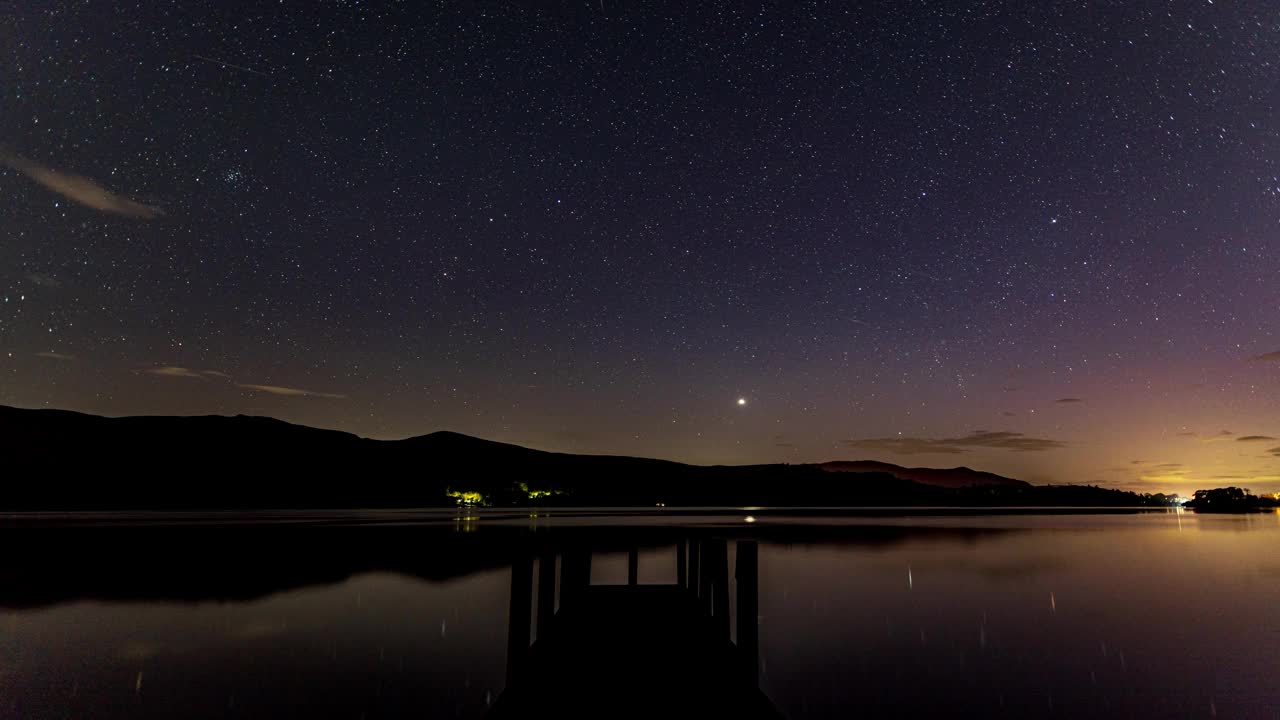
1106 616
1111 621
376 641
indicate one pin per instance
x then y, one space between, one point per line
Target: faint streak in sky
171 371
288 391
954 446
224 63
182 372
47 281
81 189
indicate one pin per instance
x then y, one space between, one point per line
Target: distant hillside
57 459
960 477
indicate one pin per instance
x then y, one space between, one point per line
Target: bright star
742 401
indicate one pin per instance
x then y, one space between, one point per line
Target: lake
910 613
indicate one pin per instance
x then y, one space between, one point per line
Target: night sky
1042 241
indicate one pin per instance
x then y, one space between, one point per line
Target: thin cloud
43 280
1017 442
1274 451
81 189
178 372
1138 485
1254 438
1068 400
1220 436
288 391
55 356
182 372
906 446
1266 357
1165 472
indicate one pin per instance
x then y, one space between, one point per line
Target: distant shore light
742 401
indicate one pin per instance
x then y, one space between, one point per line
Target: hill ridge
66 460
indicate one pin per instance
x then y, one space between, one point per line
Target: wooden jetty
635 650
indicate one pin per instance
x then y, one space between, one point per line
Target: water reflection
1111 616
636 650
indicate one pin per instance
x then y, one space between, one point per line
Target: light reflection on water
1154 615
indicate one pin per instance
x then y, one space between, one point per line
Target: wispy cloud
43 280
288 391
178 372
1254 438
1164 472
1274 451
1266 357
81 189
182 372
55 355
954 446
1068 400
1219 436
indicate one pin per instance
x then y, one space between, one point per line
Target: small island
1231 500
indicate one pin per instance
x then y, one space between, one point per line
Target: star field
897 230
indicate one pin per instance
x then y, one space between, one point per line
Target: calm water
386 614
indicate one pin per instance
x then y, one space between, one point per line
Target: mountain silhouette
959 477
60 459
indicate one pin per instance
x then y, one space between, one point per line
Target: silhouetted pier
635 650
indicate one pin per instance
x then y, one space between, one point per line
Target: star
742 401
